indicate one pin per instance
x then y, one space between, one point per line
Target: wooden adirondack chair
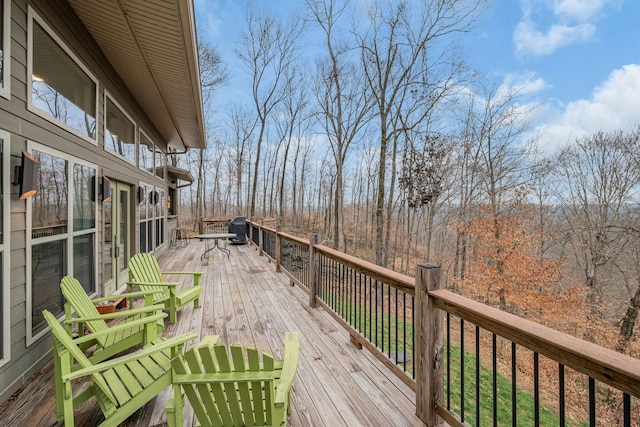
121 386
234 392
144 272
141 325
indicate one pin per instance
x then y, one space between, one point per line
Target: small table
215 238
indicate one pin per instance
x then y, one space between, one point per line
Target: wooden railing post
278 268
429 345
260 237
314 269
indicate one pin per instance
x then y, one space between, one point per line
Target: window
60 89
161 162
146 152
160 213
63 232
146 230
5 283
172 202
120 132
152 217
5 43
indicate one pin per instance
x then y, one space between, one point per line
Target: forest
393 149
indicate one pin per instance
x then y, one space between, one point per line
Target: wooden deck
246 301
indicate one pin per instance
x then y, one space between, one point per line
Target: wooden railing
212 226
412 326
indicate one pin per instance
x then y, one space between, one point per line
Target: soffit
152 46
180 174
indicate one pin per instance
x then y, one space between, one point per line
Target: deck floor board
246 301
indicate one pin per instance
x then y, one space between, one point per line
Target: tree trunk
628 322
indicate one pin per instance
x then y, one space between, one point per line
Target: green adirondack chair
141 325
144 272
121 385
236 392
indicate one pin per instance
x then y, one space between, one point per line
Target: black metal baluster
388 319
514 386
561 402
592 402
370 311
448 361
536 390
477 375
404 329
626 403
462 370
494 361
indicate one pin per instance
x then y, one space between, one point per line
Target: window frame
5 250
69 236
136 141
5 89
142 133
32 16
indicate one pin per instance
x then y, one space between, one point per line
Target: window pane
50 202
1 176
2 84
172 202
145 154
143 204
159 232
83 261
161 162
106 249
60 88
84 211
119 135
48 267
143 237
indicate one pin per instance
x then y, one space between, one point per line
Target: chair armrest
117 314
192 273
119 361
119 296
120 326
167 284
289 366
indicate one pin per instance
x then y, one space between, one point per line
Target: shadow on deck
245 301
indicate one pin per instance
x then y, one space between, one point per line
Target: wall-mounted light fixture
26 176
154 197
140 194
105 189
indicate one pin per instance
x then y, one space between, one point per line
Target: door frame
120 193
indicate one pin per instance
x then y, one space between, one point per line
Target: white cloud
526 83
563 23
581 10
529 40
615 104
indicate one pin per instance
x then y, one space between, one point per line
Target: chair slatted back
65 347
224 391
144 267
77 297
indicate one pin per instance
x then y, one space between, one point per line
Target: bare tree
293 118
242 128
267 50
342 98
599 179
410 65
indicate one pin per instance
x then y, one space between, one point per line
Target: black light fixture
140 194
105 189
26 175
154 197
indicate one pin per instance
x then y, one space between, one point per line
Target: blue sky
578 59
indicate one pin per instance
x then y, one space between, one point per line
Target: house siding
23 125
